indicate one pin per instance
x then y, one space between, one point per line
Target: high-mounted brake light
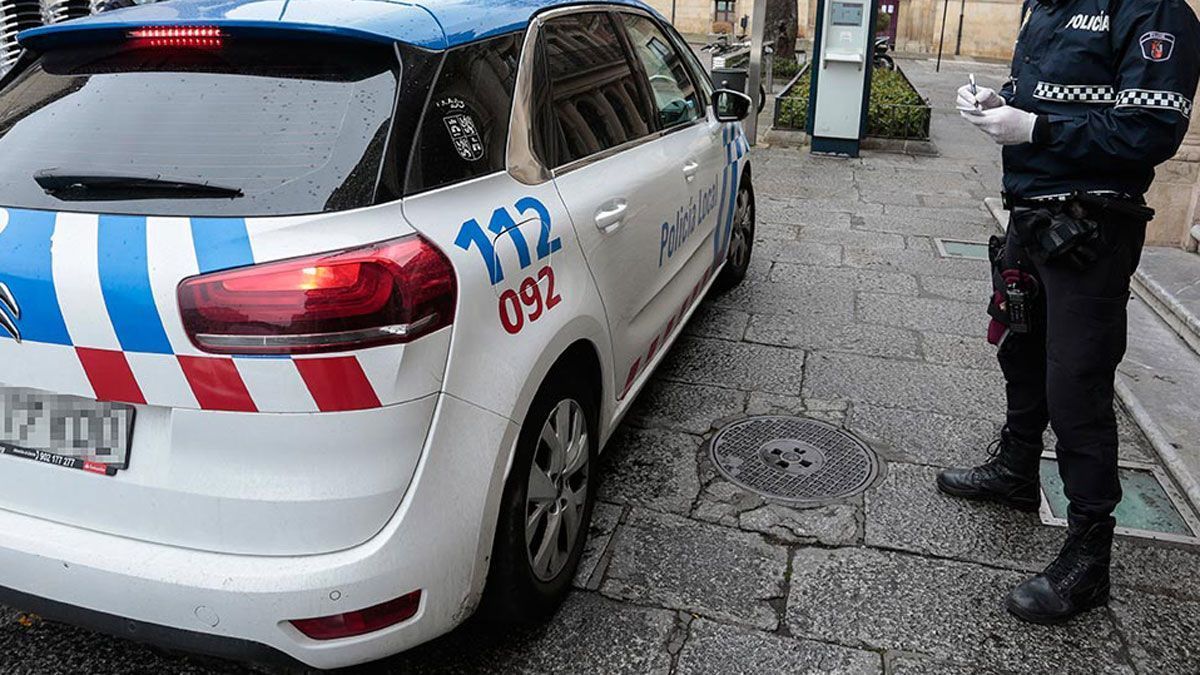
179 36
388 293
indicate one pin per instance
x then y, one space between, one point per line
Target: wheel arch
748 176
581 346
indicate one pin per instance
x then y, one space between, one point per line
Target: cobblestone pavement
848 316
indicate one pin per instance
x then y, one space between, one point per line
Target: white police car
315 315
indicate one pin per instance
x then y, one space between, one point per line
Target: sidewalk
849 316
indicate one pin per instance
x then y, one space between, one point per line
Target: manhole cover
793 459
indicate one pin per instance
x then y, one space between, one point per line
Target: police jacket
1112 83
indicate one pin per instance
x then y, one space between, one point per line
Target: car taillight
363 621
178 36
388 293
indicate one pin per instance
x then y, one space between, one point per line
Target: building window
725 10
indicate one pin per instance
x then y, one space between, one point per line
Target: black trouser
1062 372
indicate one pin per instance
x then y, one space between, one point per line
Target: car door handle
690 170
611 216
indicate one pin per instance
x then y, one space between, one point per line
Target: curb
1141 416
1158 440
1178 317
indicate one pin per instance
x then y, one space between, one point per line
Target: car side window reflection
464 133
595 96
675 98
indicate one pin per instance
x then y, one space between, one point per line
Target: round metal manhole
793 459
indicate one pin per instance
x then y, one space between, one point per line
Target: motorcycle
882 59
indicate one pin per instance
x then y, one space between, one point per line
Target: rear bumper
139 631
234 605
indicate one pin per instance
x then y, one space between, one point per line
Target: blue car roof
431 24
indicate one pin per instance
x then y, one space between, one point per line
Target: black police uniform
1112 83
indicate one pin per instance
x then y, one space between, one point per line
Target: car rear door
622 184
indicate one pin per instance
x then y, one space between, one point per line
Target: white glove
983 99
1005 125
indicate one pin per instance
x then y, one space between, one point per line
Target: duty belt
1105 202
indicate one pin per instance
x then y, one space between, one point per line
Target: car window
676 100
278 127
596 99
464 134
699 73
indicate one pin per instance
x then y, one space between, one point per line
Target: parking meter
841 76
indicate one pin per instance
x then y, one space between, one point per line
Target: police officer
1100 93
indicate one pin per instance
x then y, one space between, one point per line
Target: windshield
278 127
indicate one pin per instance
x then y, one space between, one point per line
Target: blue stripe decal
733 190
125 283
26 268
718 233
221 243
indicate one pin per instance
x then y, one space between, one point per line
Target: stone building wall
695 17
989 26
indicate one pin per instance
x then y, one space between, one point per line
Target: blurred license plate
65 431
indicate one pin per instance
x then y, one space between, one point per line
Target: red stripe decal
110 375
338 384
653 350
633 373
217 384
670 327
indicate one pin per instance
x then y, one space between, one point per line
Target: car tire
741 241
540 537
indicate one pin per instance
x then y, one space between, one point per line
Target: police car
314 316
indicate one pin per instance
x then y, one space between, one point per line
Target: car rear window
464 133
282 127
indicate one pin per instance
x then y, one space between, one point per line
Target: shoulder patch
1157 46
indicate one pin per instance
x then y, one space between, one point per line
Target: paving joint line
681 630
1124 651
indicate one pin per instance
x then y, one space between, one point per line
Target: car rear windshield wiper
108 187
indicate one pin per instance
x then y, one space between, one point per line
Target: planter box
905 122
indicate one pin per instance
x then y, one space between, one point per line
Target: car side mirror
731 106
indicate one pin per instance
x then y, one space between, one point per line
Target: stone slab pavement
848 316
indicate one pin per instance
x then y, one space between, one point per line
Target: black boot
1010 477
1075 582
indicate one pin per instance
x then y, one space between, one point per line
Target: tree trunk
782 26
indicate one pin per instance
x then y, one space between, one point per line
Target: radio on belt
841 76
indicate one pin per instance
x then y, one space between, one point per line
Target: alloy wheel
742 237
557 490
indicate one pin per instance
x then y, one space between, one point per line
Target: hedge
895 109
786 69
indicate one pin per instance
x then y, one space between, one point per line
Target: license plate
65 431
